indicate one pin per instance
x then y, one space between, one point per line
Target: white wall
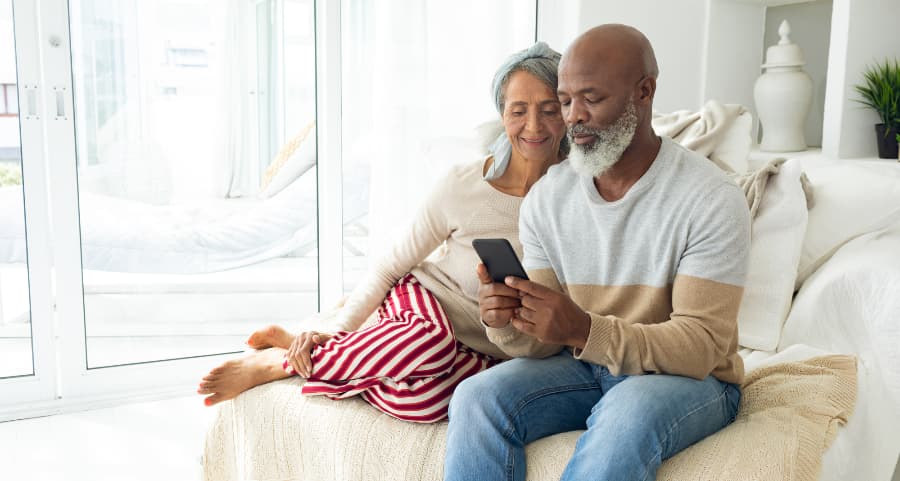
706 49
862 32
810 30
734 52
676 28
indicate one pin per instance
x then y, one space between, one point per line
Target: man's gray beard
594 159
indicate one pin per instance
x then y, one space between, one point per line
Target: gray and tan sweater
437 249
660 271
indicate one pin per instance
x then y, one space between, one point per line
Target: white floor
153 441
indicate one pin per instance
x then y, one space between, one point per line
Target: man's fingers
483 275
523 325
500 302
495 317
532 302
525 314
529 287
497 289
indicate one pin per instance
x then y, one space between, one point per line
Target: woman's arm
421 237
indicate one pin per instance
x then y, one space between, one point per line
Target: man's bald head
621 48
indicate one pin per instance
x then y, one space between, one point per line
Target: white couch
846 250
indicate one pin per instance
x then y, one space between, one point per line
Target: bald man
637 250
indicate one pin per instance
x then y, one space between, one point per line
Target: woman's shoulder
468 173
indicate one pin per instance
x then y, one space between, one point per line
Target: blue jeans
633 423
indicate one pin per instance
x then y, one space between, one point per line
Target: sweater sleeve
510 340
706 296
429 228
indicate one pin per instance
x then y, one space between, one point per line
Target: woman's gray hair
539 60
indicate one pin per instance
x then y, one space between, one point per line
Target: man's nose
575 113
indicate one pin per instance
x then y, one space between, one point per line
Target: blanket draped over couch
787 419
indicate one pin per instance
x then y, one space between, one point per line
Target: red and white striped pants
406 365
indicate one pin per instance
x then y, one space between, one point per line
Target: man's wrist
582 332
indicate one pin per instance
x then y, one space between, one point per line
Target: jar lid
786 53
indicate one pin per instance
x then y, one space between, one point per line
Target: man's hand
548 315
496 301
298 354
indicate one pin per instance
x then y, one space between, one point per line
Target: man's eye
565 102
551 112
518 113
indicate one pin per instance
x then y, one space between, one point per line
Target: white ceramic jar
783 95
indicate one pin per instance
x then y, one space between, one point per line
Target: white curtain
238 169
417 79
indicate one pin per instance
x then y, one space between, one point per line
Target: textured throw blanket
701 130
788 417
754 184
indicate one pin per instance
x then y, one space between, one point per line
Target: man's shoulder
559 177
696 176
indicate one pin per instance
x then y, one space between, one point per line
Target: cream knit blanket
788 416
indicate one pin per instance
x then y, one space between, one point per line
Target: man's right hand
299 354
496 301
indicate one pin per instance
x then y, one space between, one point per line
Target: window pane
415 85
15 311
12 99
196 171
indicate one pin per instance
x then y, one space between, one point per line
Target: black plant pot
887 142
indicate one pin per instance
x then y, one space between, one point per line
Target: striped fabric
406 365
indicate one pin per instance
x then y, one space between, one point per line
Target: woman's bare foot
238 375
271 336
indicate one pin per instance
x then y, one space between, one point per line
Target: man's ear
646 90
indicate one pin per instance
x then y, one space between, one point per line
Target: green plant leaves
881 91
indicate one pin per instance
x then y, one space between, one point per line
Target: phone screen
499 258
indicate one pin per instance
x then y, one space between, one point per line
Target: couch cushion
776 238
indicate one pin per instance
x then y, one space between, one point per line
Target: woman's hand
298 354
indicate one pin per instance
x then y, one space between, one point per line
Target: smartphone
499 258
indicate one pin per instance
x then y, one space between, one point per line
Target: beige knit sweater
437 248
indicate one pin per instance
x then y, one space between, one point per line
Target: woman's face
532 118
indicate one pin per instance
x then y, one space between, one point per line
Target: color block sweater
660 271
437 249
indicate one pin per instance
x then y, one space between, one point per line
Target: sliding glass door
173 144
16 357
196 173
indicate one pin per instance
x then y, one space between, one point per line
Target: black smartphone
499 258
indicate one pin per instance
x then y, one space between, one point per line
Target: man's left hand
550 316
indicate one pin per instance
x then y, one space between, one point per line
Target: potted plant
881 92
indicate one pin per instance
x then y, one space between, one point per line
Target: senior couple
636 250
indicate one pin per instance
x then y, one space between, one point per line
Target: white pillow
851 198
776 238
293 160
